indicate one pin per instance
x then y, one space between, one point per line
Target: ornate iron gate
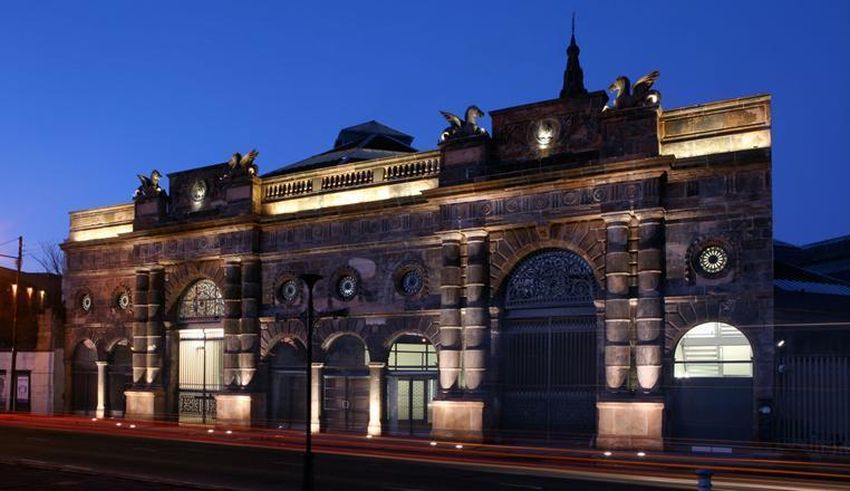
548 355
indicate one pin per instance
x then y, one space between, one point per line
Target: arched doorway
84 378
411 385
548 348
346 385
287 384
119 376
712 396
201 352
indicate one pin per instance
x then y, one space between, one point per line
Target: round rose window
713 259
411 282
347 287
289 291
85 302
124 301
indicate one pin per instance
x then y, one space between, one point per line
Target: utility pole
15 288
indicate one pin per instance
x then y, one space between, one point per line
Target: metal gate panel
813 400
549 373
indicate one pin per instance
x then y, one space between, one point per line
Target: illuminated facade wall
670 211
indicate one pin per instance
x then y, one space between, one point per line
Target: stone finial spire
573 75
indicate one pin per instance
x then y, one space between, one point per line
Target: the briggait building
590 270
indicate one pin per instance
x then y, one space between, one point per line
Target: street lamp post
310 280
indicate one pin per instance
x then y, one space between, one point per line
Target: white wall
46 378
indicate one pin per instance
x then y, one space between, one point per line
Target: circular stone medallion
199 190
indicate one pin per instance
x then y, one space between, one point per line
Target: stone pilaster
476 314
617 309
155 330
649 318
232 313
100 410
450 316
145 400
376 383
249 324
316 398
140 321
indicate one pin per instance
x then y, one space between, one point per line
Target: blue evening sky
92 93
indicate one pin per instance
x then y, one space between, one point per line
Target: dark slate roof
365 141
795 279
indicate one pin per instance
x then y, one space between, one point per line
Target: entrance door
411 412
119 376
346 403
84 378
287 385
200 377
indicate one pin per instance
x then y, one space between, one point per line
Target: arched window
202 300
347 351
412 354
553 277
713 349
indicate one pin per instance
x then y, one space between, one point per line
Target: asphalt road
49 459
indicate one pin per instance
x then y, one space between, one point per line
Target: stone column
145 399
630 417
649 318
155 327
100 412
450 318
232 293
241 404
376 383
316 398
617 309
140 321
248 324
476 313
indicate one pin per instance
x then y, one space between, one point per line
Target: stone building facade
537 281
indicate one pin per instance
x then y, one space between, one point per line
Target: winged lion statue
240 165
149 186
641 94
459 128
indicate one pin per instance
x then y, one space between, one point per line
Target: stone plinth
629 425
239 409
144 404
458 420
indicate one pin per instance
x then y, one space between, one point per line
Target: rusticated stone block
615 376
450 337
617 330
648 376
647 354
617 308
450 318
648 329
617 356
